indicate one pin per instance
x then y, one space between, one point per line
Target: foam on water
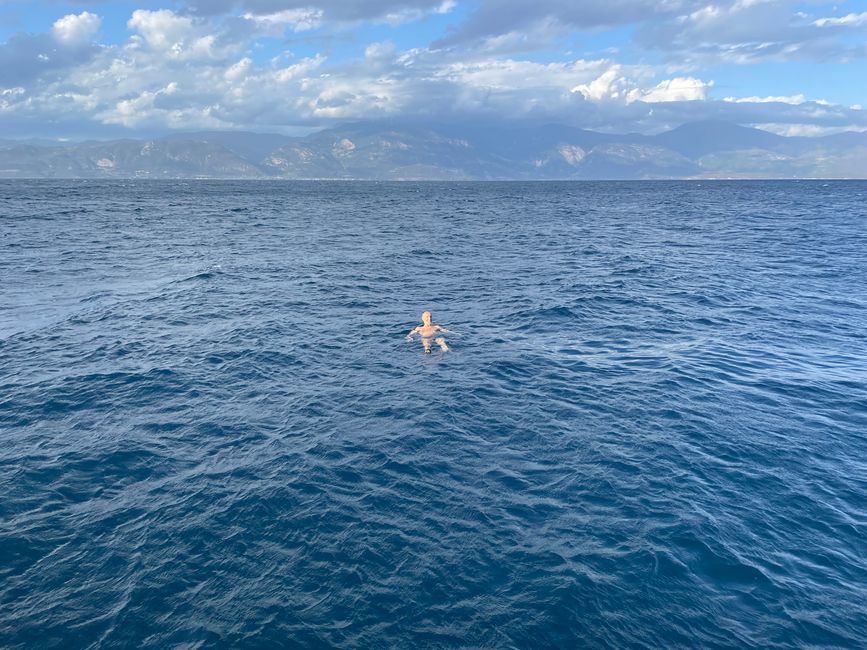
650 433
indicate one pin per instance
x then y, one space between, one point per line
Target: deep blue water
650 432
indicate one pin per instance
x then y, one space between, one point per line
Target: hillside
412 151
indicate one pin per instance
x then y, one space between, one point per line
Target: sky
108 68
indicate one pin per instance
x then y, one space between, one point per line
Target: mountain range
381 150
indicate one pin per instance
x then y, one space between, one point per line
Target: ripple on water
649 431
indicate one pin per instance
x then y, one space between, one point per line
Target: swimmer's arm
440 328
411 332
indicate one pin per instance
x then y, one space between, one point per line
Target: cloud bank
230 64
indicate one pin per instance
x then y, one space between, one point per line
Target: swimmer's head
425 317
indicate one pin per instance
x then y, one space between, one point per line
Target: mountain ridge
391 150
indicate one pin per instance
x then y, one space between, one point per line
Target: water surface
650 432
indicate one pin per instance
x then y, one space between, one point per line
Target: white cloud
616 85
678 89
176 36
297 70
610 85
808 130
849 20
238 71
75 29
781 99
515 74
410 14
298 20
192 71
161 29
132 112
9 97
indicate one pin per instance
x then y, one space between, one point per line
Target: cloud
779 99
338 11
411 14
849 20
746 32
145 86
493 74
76 29
30 60
132 112
298 20
177 36
689 33
617 85
183 70
9 97
493 19
679 89
161 29
809 130
611 85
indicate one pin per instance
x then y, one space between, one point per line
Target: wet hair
426 311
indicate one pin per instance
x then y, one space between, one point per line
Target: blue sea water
651 430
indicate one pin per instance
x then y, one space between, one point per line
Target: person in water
427 330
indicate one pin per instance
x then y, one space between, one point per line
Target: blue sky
108 68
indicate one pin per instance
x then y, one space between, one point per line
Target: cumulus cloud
132 112
617 85
190 70
161 29
75 29
140 87
611 85
177 36
679 89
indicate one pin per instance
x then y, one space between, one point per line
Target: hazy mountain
698 139
413 151
252 147
169 158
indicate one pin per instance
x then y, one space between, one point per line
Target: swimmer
427 330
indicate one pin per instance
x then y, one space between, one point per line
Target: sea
650 430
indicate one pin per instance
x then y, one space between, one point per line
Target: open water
651 430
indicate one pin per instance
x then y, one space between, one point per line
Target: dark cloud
688 31
745 32
26 59
495 18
